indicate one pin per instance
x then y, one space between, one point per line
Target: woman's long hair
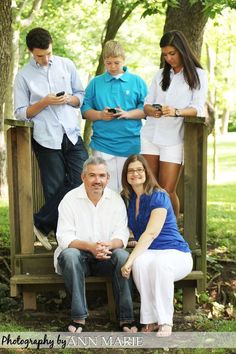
190 62
149 185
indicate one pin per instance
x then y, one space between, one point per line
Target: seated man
92 232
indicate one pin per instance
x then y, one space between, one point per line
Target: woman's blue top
169 237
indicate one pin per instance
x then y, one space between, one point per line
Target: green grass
4 224
221 197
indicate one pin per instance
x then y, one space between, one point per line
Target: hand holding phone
112 110
58 94
157 106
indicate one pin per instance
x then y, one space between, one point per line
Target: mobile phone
60 93
112 110
157 106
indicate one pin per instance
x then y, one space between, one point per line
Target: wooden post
20 197
195 188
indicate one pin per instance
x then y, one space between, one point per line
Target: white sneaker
42 238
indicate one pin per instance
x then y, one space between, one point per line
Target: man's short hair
113 49
94 160
38 38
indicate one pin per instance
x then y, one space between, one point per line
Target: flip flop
127 327
78 327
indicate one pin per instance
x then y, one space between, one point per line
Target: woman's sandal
165 330
129 327
78 327
151 327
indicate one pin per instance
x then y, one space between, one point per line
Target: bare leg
169 174
153 162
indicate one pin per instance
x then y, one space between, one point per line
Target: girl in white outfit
180 88
161 255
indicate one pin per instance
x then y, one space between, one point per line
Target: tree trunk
5 58
12 73
118 14
191 20
225 121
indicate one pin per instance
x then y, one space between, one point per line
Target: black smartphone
60 93
157 106
112 110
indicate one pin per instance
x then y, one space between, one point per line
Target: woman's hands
151 111
126 270
166 111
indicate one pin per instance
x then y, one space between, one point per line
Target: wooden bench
34 271
32 268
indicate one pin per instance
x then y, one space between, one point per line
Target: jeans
76 265
60 172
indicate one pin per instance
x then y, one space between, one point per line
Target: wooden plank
13 194
14 290
195 120
51 278
190 185
111 302
37 190
25 189
55 278
203 206
194 275
29 300
18 123
189 300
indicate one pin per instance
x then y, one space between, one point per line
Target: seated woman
161 255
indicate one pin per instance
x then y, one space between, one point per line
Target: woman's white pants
154 273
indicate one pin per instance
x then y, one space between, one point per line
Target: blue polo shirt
169 237
118 137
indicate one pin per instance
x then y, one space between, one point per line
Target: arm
150 111
88 111
196 106
94 115
168 111
50 99
133 114
153 229
77 97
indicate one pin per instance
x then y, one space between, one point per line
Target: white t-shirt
169 130
80 219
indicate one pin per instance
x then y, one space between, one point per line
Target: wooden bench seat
38 282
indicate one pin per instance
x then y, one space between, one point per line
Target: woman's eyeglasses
139 170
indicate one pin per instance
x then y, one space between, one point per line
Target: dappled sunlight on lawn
225 168
221 198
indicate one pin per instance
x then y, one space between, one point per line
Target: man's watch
177 112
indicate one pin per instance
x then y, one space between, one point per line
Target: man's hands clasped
101 250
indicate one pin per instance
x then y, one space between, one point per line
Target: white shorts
115 165
170 153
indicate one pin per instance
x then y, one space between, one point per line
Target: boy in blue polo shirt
114 103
